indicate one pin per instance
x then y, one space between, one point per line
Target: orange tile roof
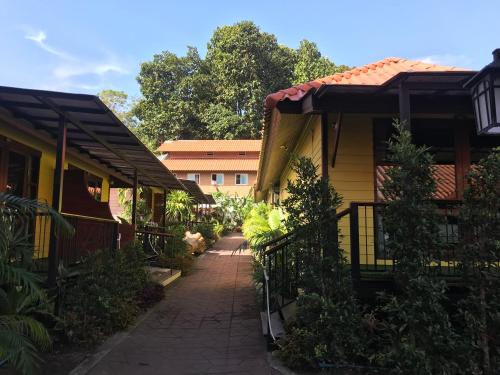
372 74
443 174
212 165
211 145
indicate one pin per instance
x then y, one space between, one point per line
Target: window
242 153
217 178
210 154
241 178
194 177
94 186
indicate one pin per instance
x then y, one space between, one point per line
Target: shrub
207 231
417 326
105 296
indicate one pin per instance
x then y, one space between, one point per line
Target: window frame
196 177
236 179
212 179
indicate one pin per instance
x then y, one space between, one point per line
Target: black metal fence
365 239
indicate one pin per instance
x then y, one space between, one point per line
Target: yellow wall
309 145
352 176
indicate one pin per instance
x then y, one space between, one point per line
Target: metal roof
210 199
93 130
194 190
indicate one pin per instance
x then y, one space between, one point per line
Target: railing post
57 192
354 230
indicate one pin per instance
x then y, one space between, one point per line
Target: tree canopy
221 96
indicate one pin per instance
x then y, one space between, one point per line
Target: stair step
289 311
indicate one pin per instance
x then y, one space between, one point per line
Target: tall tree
310 64
221 96
120 104
246 65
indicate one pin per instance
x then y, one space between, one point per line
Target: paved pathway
207 324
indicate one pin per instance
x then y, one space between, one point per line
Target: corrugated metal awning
93 130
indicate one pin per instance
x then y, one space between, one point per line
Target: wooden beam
462 157
336 138
57 192
134 200
404 105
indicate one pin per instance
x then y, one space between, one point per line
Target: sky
86 46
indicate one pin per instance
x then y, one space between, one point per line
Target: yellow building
342 122
68 150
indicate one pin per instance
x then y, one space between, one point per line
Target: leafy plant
231 210
179 206
22 301
328 326
106 295
479 255
143 212
206 229
417 326
263 224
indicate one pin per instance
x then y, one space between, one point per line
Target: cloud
461 61
40 37
71 72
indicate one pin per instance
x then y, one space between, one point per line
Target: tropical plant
231 210
179 206
143 212
22 301
417 325
263 224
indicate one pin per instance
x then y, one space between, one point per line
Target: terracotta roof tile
443 174
212 165
211 145
372 74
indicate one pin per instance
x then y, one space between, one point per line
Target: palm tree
22 299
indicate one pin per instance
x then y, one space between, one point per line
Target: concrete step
276 324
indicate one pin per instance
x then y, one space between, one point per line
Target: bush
105 296
207 231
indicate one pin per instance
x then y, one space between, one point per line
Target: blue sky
86 46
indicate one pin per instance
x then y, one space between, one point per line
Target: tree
222 95
310 64
119 103
416 323
175 90
479 254
246 65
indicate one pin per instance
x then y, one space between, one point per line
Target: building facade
229 166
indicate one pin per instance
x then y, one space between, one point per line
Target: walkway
208 324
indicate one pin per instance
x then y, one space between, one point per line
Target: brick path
208 324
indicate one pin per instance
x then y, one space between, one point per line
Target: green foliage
207 231
105 296
22 301
479 254
143 212
231 210
263 224
179 206
329 325
221 96
310 64
417 325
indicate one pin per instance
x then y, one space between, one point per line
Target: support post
404 105
324 144
134 201
462 158
57 191
164 210
354 232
